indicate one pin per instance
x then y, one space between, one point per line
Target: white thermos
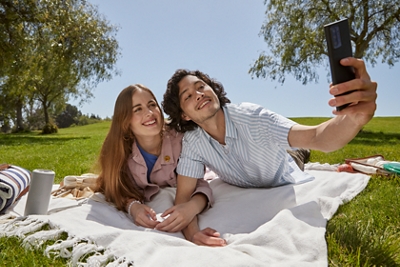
39 192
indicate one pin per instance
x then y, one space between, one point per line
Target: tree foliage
53 51
293 31
68 117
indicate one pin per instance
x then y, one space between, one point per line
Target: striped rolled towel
14 183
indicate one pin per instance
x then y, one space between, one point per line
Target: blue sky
220 38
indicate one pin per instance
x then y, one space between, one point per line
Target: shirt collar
166 156
230 129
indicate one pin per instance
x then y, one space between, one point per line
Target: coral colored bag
375 164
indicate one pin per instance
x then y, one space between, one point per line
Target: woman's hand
143 215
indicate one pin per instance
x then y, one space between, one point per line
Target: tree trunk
20 122
46 113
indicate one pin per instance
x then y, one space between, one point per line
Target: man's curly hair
171 104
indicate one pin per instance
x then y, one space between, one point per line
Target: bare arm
186 207
337 132
185 188
183 216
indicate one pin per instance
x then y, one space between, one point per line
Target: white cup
39 192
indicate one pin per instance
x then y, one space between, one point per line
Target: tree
68 117
15 17
68 46
293 31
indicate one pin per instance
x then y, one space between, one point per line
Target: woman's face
146 116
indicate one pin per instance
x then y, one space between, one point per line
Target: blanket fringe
98 260
121 262
21 226
29 230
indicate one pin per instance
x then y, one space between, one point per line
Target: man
246 144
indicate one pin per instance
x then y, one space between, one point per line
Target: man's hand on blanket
179 217
208 237
143 215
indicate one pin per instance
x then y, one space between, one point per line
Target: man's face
197 99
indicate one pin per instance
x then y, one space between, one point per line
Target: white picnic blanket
282 226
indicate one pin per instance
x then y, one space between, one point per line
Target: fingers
145 216
168 224
210 241
143 220
359 66
151 213
360 92
364 97
210 232
208 237
353 85
179 217
172 224
168 211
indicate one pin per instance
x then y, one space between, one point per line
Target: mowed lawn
363 232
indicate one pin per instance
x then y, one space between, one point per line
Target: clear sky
220 38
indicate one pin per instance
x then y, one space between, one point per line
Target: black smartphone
339 46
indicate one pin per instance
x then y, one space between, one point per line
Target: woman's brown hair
115 180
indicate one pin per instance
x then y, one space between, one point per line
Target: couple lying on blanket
245 145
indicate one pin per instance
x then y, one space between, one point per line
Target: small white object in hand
161 219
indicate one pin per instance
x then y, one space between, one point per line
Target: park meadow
363 232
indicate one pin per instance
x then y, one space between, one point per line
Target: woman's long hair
114 180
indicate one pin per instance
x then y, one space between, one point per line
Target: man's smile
202 104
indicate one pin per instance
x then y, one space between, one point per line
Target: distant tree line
51 52
71 116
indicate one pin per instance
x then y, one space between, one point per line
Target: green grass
366 231
72 151
363 232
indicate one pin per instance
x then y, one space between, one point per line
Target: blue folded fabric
14 183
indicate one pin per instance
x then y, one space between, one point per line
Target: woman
138 156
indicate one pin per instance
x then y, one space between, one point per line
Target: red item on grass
345 168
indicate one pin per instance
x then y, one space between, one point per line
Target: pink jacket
163 173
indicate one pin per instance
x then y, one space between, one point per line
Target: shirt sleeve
277 125
190 164
203 187
265 125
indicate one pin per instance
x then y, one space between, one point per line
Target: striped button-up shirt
255 151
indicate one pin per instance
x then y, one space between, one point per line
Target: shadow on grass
368 138
35 139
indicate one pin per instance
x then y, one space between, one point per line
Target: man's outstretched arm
337 132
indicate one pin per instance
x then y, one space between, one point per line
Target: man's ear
185 117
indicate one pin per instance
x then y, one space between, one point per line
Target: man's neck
215 126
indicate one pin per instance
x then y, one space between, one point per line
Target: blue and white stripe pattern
13 181
255 151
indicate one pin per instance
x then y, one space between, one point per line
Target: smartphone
339 46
